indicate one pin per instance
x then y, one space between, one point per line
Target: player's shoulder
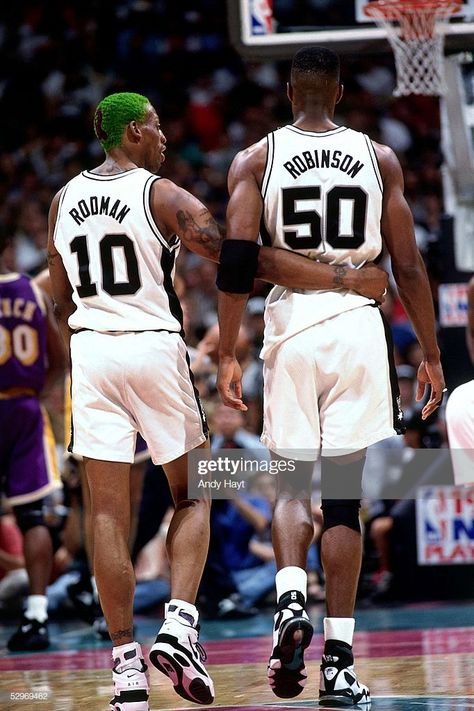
254 150
384 152
387 159
17 279
251 159
166 189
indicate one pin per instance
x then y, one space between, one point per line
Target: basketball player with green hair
114 235
114 113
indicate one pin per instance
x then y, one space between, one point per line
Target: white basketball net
416 34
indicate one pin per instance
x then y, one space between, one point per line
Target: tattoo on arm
208 236
120 635
339 274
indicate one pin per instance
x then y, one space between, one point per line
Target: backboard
275 29
457 136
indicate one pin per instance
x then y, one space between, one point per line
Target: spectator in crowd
229 432
240 569
13 575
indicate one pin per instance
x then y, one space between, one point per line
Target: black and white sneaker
131 683
292 633
178 654
338 681
31 636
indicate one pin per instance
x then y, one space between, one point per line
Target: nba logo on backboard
261 14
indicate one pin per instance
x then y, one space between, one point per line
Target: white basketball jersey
322 196
119 264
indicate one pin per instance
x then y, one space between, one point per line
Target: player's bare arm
54 348
177 212
241 224
410 275
54 342
60 286
43 281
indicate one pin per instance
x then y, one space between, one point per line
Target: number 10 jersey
322 194
120 266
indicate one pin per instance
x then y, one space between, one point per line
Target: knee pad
29 515
341 491
337 512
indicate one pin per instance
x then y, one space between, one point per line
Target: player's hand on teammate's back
229 383
372 281
430 373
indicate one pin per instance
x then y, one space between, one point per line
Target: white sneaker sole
188 681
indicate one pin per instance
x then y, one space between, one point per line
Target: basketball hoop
415 30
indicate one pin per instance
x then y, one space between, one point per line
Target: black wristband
237 266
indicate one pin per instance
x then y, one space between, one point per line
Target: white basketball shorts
332 388
124 383
460 426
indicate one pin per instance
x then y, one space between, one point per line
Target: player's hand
430 373
371 281
229 383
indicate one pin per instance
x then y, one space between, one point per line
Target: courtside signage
445 525
452 300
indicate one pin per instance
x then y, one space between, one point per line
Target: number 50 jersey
120 266
322 196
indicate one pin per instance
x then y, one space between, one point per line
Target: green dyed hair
113 115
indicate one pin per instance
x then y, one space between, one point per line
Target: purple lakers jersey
22 334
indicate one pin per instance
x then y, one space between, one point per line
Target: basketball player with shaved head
114 235
332 194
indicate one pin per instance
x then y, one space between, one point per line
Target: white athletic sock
341 628
127 656
37 608
174 606
291 578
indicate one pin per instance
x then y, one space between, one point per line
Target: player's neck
115 164
315 118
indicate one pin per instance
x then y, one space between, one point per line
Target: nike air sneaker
338 681
131 683
178 654
292 633
31 636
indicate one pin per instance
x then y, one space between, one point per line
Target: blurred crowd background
58 58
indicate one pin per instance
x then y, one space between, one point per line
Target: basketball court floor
418 657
